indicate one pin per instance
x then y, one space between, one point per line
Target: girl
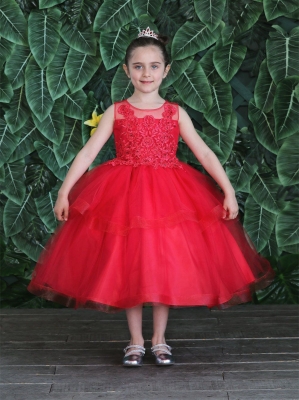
146 228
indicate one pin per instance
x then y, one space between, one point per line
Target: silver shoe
133 358
164 358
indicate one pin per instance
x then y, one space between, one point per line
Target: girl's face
146 68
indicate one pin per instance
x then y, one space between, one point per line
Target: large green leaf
122 87
32 239
113 46
73 104
37 92
46 153
6 48
27 134
210 13
71 143
80 68
14 187
45 205
240 174
83 41
219 115
6 91
276 8
264 90
81 13
264 189
39 179
52 127
43 34
286 108
55 74
221 142
17 217
228 59
193 88
288 161
112 15
263 126
16 65
49 3
18 113
239 16
282 53
258 222
284 289
191 38
271 248
8 141
148 7
177 68
13 25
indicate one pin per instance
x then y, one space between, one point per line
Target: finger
66 215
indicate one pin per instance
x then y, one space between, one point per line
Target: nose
146 72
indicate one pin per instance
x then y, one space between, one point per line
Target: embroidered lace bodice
146 137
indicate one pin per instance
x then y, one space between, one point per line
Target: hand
61 208
231 207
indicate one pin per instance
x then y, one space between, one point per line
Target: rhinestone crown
147 32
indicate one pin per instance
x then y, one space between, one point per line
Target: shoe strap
137 347
160 347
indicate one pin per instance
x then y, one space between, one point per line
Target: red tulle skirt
144 235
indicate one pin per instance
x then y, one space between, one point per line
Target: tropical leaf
16 65
71 143
258 223
264 189
122 87
18 112
39 179
55 74
286 110
14 187
83 41
113 15
191 38
8 142
6 48
240 174
193 88
148 7
239 16
52 127
81 13
264 89
210 13
13 25
172 16
178 67
43 35
276 8
219 115
80 68
228 59
45 208
288 161
263 126
222 142
32 239
49 3
73 104
46 153
27 134
6 91
271 248
113 47
17 217
37 92
208 65
284 289
282 50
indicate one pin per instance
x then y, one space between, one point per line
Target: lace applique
147 140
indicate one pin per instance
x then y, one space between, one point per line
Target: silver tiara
148 33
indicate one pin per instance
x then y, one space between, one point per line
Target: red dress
148 228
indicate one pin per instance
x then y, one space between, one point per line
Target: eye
137 66
154 66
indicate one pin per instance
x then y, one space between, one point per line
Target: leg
134 351
162 353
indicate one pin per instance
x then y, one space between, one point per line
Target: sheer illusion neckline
146 109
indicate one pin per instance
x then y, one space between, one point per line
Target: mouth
146 82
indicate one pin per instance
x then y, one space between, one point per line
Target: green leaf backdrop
235 69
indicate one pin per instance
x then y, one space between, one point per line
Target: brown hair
145 41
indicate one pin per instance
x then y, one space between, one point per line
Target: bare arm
83 160
209 161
